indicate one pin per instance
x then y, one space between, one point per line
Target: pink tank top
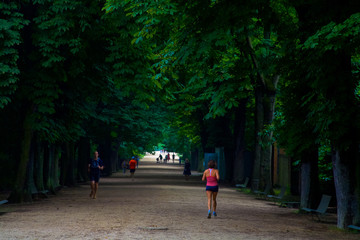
210 180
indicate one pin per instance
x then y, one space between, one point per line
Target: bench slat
354 227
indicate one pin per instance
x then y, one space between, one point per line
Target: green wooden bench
321 210
244 185
263 194
277 198
354 227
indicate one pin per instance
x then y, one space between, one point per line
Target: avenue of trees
123 75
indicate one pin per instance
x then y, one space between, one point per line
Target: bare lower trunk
52 180
114 160
84 156
68 164
19 193
259 123
239 160
344 176
357 194
265 165
71 176
55 170
105 154
267 135
39 165
309 180
30 172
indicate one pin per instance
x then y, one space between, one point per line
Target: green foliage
318 107
266 135
62 38
131 61
336 36
333 46
59 26
11 24
202 63
325 166
175 141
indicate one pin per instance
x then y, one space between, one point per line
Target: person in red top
132 166
212 177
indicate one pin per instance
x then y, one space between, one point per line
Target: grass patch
244 190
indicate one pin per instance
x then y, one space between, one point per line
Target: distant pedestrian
173 157
187 171
137 162
123 165
211 175
160 157
94 167
132 166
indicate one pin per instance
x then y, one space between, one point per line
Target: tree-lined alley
123 76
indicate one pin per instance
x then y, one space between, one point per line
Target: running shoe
214 213
209 214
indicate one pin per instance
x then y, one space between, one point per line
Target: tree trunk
63 165
310 189
259 123
265 94
343 131
344 168
55 170
47 166
30 184
194 159
239 133
70 154
39 165
105 155
114 159
19 193
356 219
51 179
84 156
49 160
68 164
267 147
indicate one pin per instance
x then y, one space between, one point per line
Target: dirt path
158 204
